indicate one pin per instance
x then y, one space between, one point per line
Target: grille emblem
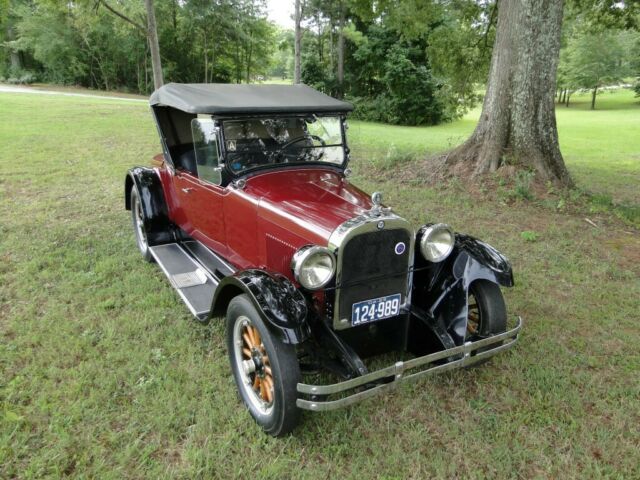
380 225
400 248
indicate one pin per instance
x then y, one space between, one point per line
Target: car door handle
187 190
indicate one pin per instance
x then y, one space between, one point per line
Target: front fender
442 289
154 206
277 300
484 261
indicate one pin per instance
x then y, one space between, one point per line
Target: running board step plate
195 285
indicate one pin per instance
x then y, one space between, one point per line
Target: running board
193 281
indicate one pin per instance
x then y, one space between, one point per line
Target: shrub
19 76
522 187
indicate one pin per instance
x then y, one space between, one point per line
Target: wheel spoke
249 331
246 352
263 389
256 337
247 340
268 389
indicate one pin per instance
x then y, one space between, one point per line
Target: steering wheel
299 139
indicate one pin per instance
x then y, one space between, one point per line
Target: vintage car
250 213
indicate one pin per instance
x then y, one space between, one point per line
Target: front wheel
487 312
265 369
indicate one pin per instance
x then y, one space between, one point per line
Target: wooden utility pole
154 46
340 74
298 42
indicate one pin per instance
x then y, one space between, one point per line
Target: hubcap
253 365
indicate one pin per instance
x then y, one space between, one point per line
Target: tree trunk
14 55
593 98
152 37
206 62
567 96
518 123
298 42
249 55
341 52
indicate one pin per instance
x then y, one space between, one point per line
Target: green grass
104 374
601 148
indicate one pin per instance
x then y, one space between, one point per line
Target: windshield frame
248 172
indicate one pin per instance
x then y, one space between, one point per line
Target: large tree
518 124
596 60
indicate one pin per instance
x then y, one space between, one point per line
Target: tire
267 377
137 217
487 314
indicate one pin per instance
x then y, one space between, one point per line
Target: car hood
309 203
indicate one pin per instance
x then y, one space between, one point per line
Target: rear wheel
266 370
487 312
137 216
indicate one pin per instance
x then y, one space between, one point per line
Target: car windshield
259 142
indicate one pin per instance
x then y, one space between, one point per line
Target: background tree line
597 51
400 61
85 43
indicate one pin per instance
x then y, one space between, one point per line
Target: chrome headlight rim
426 242
304 255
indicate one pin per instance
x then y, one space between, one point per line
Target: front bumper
394 375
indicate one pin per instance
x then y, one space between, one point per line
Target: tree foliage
595 56
86 44
407 61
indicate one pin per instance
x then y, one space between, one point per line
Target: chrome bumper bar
396 374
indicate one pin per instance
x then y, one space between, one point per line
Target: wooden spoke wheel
255 362
266 370
473 316
486 311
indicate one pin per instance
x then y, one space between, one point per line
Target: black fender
280 304
442 289
156 216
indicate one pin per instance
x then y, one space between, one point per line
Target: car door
198 187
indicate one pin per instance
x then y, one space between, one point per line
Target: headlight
437 242
313 267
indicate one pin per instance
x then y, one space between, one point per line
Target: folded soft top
229 99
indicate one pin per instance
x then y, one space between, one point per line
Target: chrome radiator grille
372 262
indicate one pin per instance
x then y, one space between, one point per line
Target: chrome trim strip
399 368
366 223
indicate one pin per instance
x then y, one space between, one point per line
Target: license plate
375 309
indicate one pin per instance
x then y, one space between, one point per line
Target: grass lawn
104 374
601 147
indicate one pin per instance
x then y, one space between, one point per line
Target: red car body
250 212
265 223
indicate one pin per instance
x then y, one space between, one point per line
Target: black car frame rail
316 397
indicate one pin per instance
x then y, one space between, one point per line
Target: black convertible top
229 99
